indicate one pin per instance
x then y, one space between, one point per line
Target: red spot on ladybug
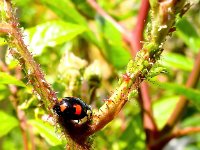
63 107
78 109
71 108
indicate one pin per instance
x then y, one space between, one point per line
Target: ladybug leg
107 106
100 110
87 117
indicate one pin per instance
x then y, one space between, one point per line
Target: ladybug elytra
71 108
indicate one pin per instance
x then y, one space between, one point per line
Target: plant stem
9 25
186 131
139 68
100 11
139 28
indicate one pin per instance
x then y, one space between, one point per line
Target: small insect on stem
109 101
126 77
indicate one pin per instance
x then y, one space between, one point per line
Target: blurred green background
82 54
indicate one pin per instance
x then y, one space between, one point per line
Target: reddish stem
23 126
100 11
186 131
140 25
137 36
148 119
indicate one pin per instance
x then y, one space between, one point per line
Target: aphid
126 77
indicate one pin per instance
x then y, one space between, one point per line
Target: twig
100 11
148 118
182 132
163 139
139 28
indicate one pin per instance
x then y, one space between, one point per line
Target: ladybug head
60 107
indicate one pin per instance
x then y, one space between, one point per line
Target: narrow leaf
65 10
8 79
7 123
187 32
191 94
4 92
115 51
177 61
46 131
163 108
191 121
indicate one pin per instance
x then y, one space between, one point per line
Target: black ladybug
72 108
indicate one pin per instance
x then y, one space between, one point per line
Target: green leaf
8 79
57 147
187 32
51 33
190 121
84 8
4 92
137 135
67 12
46 131
191 94
7 123
177 61
115 51
118 56
163 108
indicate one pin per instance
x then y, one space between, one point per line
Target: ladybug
72 108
